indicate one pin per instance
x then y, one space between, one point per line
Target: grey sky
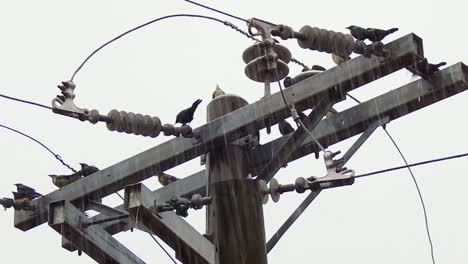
163 68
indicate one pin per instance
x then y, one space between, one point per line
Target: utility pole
234 183
235 217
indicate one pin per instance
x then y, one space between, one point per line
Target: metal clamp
64 105
335 177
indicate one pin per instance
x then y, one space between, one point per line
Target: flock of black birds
24 194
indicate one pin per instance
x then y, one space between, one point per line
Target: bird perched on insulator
357 32
285 128
165 179
186 116
87 170
338 60
372 34
23 191
218 92
64 180
375 34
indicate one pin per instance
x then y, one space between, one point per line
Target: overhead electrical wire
423 205
419 193
368 174
25 101
226 23
42 144
218 11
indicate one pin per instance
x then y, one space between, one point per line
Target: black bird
87 170
24 191
357 32
372 34
7 203
285 128
375 34
424 68
430 68
186 116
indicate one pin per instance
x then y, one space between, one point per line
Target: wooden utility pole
235 217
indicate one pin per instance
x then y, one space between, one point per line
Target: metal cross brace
294 140
348 76
189 245
310 198
71 223
186 187
394 104
411 97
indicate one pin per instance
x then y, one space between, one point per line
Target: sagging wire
419 193
139 27
415 183
368 174
25 101
218 11
43 145
226 23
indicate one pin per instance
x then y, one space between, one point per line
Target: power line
415 183
25 101
419 193
218 11
165 251
44 146
411 165
139 27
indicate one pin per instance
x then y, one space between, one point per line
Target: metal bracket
334 178
64 105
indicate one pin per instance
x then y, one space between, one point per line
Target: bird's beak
52 176
347 27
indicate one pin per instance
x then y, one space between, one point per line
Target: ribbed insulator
131 123
326 41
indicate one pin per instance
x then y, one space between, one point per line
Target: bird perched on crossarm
186 116
24 191
87 170
64 180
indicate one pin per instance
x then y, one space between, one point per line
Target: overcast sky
163 68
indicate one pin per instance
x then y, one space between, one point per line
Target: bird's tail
390 31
